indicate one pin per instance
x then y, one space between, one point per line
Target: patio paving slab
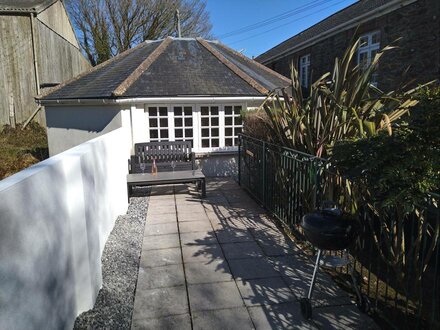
213 296
193 216
242 250
252 268
200 272
234 318
221 263
194 226
202 253
164 257
266 291
175 322
159 242
160 277
160 302
160 229
198 238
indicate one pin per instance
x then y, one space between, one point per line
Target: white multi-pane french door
210 127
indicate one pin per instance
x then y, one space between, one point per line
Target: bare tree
108 27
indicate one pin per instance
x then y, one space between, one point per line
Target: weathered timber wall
57 53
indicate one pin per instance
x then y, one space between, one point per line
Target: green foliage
341 105
398 170
21 148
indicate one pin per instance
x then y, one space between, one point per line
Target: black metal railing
400 277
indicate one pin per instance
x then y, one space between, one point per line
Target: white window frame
304 65
169 116
183 116
369 48
197 127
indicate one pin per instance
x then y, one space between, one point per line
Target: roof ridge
261 66
85 73
123 86
233 67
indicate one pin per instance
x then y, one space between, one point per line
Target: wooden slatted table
161 178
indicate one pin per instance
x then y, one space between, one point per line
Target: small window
210 120
158 120
233 124
183 123
304 70
369 45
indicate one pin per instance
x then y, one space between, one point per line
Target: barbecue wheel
306 308
364 304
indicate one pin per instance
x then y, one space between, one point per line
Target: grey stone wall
418 26
218 164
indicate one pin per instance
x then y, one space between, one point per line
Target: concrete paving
221 263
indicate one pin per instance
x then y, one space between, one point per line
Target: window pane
214 121
177 111
152 111
237 130
214 131
163 122
205 143
205 121
228 110
205 111
163 111
188 111
228 142
228 120
375 38
178 122
205 132
153 122
178 133
164 133
189 132
228 131
153 134
237 110
188 122
215 142
237 120
214 111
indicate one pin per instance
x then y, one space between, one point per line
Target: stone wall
418 27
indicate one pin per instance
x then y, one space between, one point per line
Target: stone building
38 48
412 25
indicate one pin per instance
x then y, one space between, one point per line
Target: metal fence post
264 173
239 159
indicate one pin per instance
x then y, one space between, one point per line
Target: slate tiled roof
30 6
172 67
351 12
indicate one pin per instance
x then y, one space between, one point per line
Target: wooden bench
178 153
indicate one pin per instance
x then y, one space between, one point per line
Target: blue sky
231 15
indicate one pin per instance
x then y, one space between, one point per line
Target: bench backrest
164 151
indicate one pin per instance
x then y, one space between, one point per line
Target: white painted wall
69 126
55 218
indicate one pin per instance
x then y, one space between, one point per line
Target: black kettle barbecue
330 229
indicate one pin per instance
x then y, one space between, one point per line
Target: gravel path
120 265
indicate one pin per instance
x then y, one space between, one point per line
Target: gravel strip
120 265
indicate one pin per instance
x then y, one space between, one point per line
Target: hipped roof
172 67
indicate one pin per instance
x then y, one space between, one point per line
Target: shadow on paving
243 249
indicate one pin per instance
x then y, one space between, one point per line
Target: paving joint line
183 263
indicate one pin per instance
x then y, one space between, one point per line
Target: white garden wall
55 218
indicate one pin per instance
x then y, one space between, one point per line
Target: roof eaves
122 88
92 69
261 66
233 67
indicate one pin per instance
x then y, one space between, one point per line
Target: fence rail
402 280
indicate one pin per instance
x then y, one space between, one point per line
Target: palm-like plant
342 105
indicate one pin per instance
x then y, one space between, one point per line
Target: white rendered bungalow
166 90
